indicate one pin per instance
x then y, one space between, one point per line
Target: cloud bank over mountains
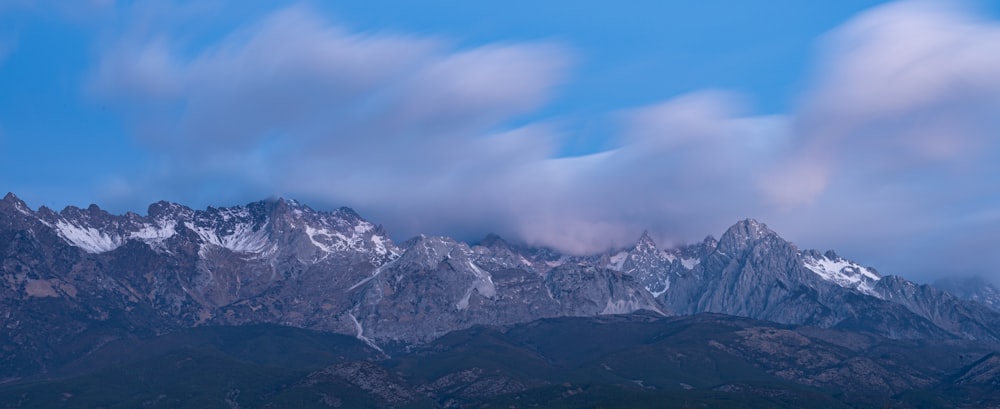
890 153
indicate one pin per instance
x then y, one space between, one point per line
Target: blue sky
865 126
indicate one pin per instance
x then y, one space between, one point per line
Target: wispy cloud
899 88
296 105
894 142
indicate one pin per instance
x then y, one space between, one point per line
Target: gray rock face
969 320
87 276
438 285
755 273
653 269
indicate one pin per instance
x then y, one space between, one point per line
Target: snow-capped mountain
256 229
845 273
85 271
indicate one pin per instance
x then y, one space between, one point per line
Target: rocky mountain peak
347 213
45 211
428 251
645 242
292 203
279 206
10 197
650 267
164 209
16 203
494 240
92 211
743 235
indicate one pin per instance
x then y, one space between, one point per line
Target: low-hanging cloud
891 148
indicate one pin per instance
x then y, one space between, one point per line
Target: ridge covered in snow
87 238
844 273
242 229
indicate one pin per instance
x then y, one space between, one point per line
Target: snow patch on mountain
22 208
483 284
617 261
844 273
689 263
153 233
89 239
363 228
243 239
381 247
556 263
95 241
330 241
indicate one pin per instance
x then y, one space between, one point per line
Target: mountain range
77 280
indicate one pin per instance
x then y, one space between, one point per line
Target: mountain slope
635 360
79 278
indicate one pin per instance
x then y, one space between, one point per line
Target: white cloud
902 86
896 143
895 140
296 105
